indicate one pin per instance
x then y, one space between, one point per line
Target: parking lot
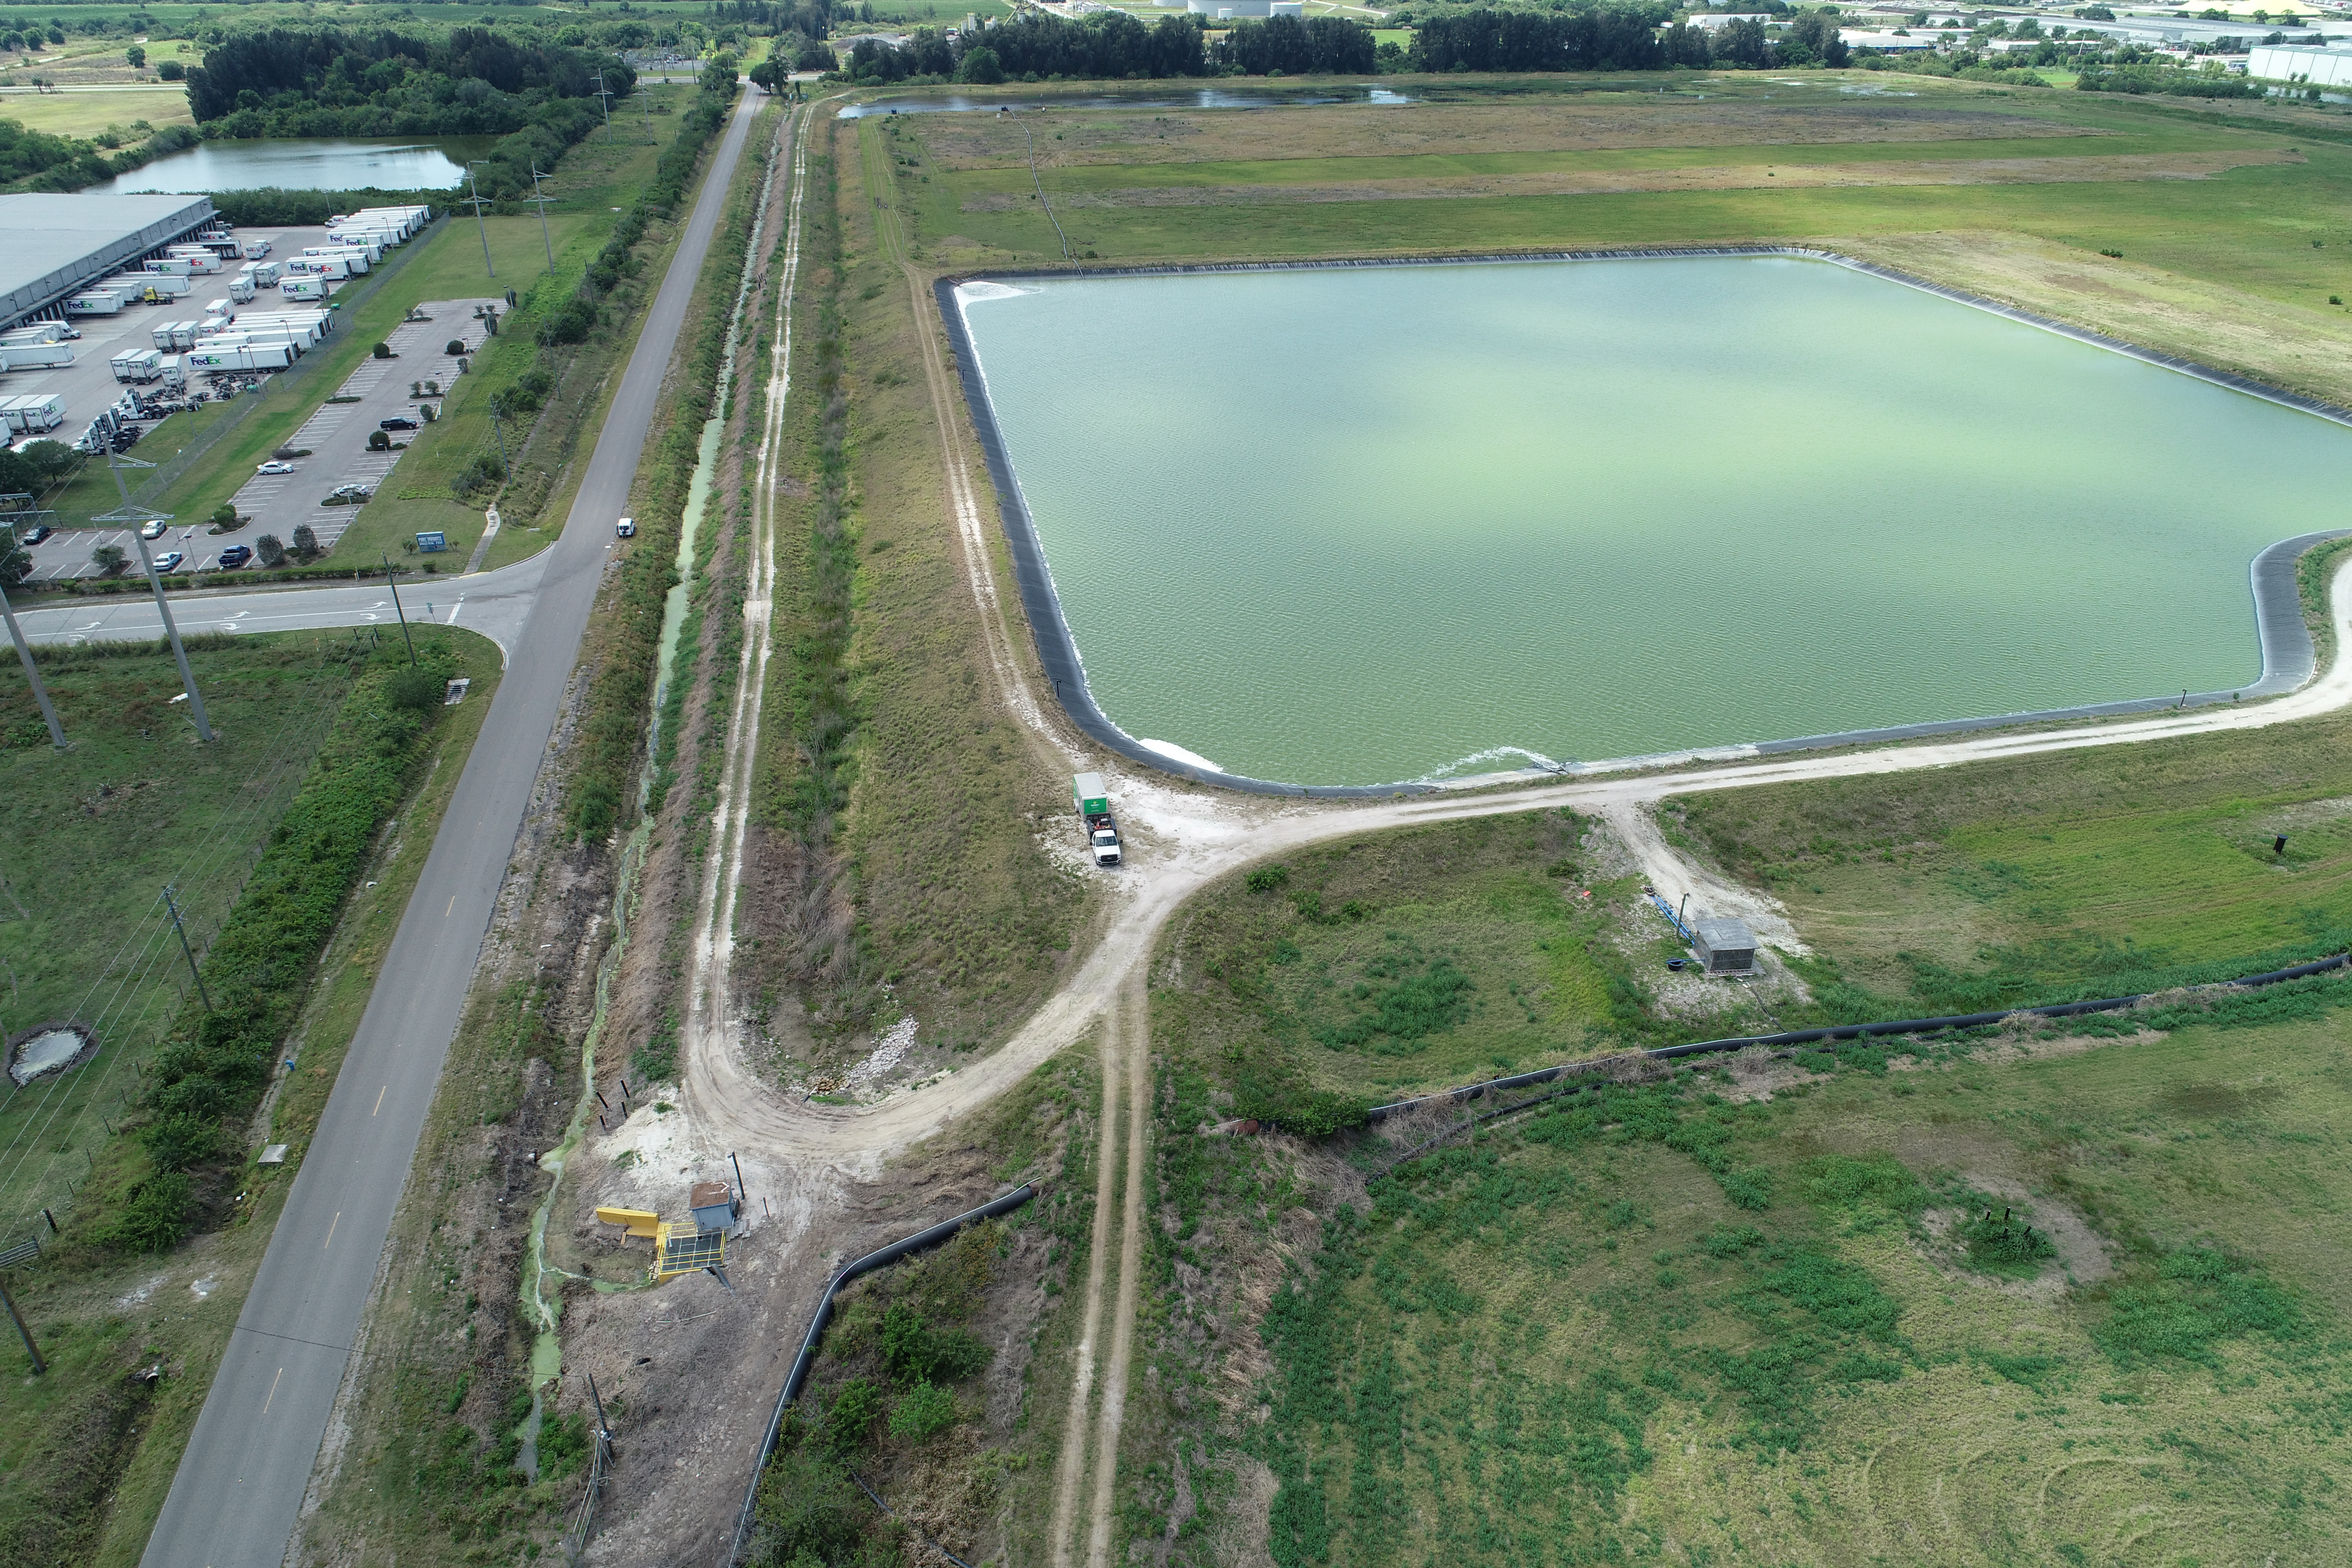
88 385
336 437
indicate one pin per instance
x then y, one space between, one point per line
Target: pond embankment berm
1658 504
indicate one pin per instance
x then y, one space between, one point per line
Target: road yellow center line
273 1391
330 1231
379 1098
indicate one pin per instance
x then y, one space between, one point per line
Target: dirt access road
1179 839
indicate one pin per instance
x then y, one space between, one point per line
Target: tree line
1036 47
327 82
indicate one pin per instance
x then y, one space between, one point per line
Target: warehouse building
63 244
2284 62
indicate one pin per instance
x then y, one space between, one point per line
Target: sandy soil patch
2082 1252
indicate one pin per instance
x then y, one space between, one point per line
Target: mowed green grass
2163 849
101 829
1563 1345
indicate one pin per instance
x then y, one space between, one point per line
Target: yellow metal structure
685 1247
639 1222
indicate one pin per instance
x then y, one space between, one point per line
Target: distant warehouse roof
61 242
2284 62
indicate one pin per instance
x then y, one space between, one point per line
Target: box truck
265 274
224 308
303 288
139 365
175 374
241 288
255 250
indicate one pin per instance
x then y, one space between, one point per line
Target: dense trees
1292 46
1598 39
281 82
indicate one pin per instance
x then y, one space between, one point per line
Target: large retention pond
1372 525
309 163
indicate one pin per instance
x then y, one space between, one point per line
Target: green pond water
1386 523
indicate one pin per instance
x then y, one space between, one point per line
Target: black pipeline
882 1257
1839 1032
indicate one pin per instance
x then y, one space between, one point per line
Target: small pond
1371 524
309 163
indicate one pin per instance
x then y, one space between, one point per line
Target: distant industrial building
63 244
1228 10
2286 62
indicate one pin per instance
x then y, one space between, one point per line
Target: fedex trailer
241 288
255 250
94 303
32 415
303 288
35 356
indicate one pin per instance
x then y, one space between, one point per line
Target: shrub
224 515
378 441
108 558
177 1142
270 549
1266 878
914 1352
157 1215
925 1412
172 70
306 541
855 1410
416 689
453 347
2005 1246
808 1509
382 350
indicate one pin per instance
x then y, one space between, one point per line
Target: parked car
151 529
397 422
627 528
235 556
347 494
274 466
36 534
169 561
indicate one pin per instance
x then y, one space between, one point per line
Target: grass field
86 113
86 1455
134 806
2235 228
2046 873
1573 1340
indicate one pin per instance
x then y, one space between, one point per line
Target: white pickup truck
1093 803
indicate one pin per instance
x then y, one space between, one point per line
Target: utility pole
604 101
476 199
398 610
39 1366
185 951
498 406
32 674
539 201
136 519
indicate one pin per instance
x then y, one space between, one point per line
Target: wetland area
1363 525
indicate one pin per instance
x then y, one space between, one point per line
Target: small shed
1725 946
713 1204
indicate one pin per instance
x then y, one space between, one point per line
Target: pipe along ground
1379 1113
879 1259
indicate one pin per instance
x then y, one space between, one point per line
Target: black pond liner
2288 657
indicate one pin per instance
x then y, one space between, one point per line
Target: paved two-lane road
495 604
236 1497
